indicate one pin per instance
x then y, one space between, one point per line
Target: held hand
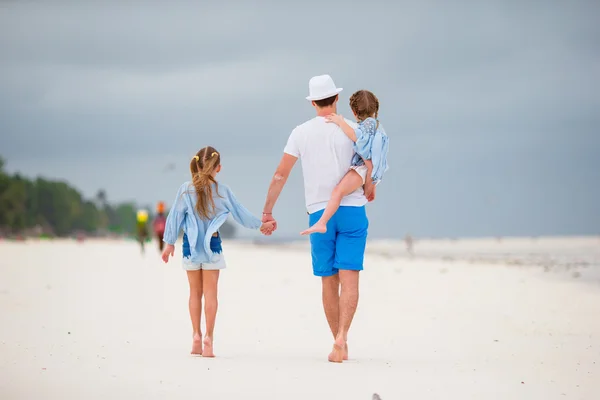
269 218
335 118
267 228
168 251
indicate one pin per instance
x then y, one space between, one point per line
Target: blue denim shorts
215 247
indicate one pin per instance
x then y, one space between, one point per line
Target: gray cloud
491 107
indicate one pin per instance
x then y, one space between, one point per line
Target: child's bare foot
337 354
316 228
208 347
197 345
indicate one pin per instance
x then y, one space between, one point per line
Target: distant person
370 161
337 255
159 224
142 228
200 208
408 239
80 237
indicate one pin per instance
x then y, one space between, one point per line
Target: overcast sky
492 108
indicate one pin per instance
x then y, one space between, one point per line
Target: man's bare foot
337 354
346 352
197 346
208 347
316 228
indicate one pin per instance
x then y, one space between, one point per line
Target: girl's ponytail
202 167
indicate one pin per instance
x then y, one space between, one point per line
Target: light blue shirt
372 143
183 215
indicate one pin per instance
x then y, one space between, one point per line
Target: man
337 255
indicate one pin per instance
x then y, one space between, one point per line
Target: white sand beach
98 320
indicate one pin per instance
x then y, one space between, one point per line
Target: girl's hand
168 251
268 217
267 228
335 118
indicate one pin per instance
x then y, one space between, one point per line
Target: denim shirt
199 231
371 144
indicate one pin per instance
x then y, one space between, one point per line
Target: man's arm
277 183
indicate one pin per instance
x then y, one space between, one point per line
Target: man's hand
335 118
168 251
268 218
267 228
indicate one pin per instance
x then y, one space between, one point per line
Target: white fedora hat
321 87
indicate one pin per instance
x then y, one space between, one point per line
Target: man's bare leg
331 301
210 280
195 305
347 308
331 304
349 183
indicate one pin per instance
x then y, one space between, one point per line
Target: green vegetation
48 208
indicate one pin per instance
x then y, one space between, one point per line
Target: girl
369 162
200 208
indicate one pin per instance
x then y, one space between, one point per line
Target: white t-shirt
326 155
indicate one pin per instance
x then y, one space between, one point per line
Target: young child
370 161
200 208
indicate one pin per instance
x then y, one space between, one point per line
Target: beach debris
408 239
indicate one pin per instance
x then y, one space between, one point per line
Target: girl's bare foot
316 228
197 345
208 347
337 354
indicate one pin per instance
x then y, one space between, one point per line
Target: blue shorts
215 245
343 245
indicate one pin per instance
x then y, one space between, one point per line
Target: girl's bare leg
210 280
195 304
349 183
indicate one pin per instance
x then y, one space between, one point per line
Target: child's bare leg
349 183
195 304
210 280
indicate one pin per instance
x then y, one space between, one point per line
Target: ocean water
577 257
